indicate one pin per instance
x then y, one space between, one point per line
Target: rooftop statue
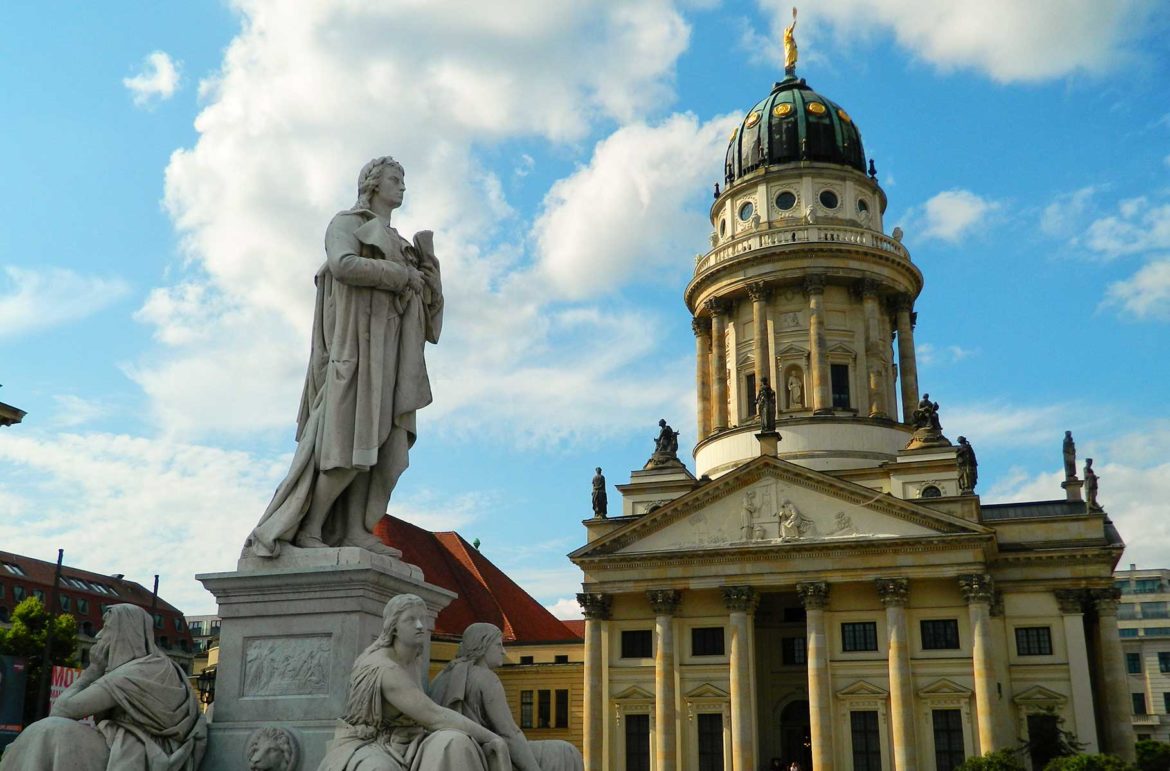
926 416
968 467
469 686
379 300
389 723
766 406
600 499
1091 486
146 713
1069 449
790 47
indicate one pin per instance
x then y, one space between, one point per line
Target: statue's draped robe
155 724
465 687
374 736
366 378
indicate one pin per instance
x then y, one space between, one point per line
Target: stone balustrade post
664 603
895 596
741 603
979 592
596 608
815 597
702 329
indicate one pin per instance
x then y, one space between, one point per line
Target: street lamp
205 682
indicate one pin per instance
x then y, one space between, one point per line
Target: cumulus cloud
290 118
1065 215
952 214
1139 225
157 81
1000 424
73 411
928 354
32 300
1145 294
566 609
1007 41
632 210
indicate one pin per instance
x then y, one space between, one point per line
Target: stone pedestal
291 630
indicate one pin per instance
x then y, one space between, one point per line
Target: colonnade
712 368
991 681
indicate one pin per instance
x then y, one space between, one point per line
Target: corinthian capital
664 602
814 595
1070 600
893 592
977 587
701 325
814 283
594 605
758 291
740 598
1106 600
716 306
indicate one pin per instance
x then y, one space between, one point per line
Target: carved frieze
287 666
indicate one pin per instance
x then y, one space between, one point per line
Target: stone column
978 591
895 595
758 291
595 607
741 603
906 361
1072 610
702 330
815 597
664 603
822 398
875 360
718 311
1119 735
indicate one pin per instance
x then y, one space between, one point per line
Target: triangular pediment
772 503
862 689
1039 696
706 691
634 693
944 687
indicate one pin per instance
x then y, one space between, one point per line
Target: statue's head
404 615
371 177
127 633
962 440
598 469
484 644
271 749
662 423
1068 434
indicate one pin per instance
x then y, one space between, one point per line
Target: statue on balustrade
766 406
1069 449
1091 484
146 713
968 467
600 499
469 686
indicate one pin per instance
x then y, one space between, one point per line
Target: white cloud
1008 41
1064 216
31 300
928 354
1145 294
158 79
290 118
952 214
1138 226
73 411
633 209
999 424
566 609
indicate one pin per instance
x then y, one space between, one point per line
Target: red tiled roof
485 592
576 626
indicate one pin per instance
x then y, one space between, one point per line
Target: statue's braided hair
370 176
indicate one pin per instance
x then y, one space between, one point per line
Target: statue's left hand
425 239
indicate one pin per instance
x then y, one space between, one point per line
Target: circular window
752 119
786 200
746 211
816 108
722 227
828 199
782 109
862 206
930 491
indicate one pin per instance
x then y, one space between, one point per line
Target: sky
169 169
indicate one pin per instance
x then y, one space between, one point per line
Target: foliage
1003 760
1153 756
1099 762
30 623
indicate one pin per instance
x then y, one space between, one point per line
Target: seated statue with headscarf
469 686
146 713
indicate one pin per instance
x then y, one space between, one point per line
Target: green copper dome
793 123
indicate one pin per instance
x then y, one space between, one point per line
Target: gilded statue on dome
790 47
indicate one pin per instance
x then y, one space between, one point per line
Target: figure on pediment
794 525
843 525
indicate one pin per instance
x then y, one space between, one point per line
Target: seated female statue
147 716
390 724
469 686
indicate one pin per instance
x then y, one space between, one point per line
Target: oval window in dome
782 109
752 119
829 199
722 227
816 108
785 200
746 211
862 206
844 115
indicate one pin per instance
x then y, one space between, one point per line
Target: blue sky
169 171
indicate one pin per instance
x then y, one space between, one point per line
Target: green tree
1003 760
1088 763
30 623
1153 756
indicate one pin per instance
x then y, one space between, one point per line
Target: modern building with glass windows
1143 617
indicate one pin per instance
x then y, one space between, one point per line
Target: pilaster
702 329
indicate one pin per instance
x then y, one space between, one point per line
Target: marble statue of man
146 713
766 406
379 300
1069 450
600 499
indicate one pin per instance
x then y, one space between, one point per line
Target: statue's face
493 657
411 627
391 186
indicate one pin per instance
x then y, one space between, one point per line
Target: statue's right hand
414 281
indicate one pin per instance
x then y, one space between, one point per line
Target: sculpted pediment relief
772 503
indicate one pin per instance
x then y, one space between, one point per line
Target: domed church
827 588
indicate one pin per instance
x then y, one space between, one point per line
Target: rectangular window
710 741
948 739
793 651
526 709
526 660
1139 703
197 628
1147 585
867 750
63 601
1133 663
636 644
637 742
860 636
1033 641
941 634
839 379
158 621
543 709
39 594
749 390
18 593
1166 702
1154 610
1127 633
707 641
1127 611
1158 631
562 699
561 658
83 606
1164 662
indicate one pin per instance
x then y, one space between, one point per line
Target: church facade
826 587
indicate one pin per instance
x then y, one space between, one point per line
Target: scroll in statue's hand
424 240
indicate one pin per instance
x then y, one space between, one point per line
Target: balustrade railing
800 234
